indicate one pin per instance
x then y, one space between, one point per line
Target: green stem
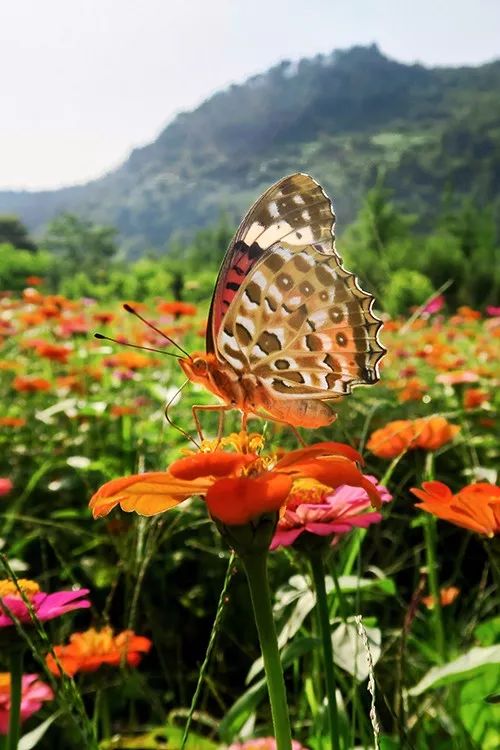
255 565
432 569
211 643
318 574
16 677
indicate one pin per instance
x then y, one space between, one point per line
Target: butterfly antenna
131 310
176 426
135 346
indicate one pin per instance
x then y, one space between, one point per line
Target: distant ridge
339 116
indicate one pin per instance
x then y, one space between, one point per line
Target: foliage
339 117
100 418
17 265
13 232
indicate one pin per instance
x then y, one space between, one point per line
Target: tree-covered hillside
341 117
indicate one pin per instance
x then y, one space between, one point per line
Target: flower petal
147 494
238 500
318 449
216 464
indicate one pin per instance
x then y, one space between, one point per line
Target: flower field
132 625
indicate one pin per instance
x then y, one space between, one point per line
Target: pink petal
285 538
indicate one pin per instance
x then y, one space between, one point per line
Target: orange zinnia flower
429 433
475 507
30 384
87 651
446 597
413 390
237 487
103 317
474 397
33 280
12 422
55 352
176 308
129 360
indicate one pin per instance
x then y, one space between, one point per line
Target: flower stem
318 574
211 643
16 676
432 569
255 565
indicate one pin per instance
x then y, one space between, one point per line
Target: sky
86 81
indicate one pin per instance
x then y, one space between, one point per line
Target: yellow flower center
9 588
4 683
94 641
241 442
307 491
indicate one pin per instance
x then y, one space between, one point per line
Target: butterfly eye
199 366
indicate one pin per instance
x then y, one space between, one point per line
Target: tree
81 245
13 232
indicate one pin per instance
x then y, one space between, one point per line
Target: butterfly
289 329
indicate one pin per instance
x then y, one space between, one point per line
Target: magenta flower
493 311
262 743
326 515
5 486
34 693
434 305
45 606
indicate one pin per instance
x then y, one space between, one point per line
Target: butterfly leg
209 407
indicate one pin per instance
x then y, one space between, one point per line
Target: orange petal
238 500
319 449
334 471
433 491
147 494
216 464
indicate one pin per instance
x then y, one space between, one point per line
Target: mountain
339 117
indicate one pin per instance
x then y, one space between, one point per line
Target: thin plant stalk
255 565
432 569
211 643
16 678
318 574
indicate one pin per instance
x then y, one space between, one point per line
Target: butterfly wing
294 317
295 209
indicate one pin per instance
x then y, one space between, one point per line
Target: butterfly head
196 367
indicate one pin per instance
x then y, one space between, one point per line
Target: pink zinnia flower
493 311
45 606
34 693
5 486
262 743
434 305
337 512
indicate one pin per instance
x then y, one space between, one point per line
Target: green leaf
158 739
479 717
241 710
466 666
488 632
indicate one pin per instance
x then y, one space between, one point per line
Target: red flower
89 650
446 597
176 308
12 422
474 397
237 487
475 507
30 384
429 433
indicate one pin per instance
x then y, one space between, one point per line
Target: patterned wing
294 210
299 321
